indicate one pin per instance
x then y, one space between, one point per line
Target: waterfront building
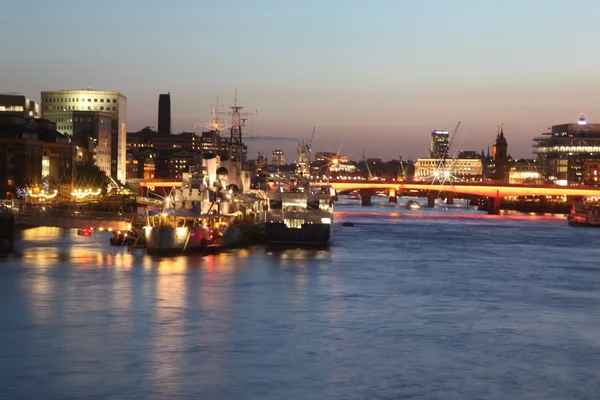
164 114
439 144
563 151
58 106
591 173
18 105
31 149
278 158
434 169
94 129
524 172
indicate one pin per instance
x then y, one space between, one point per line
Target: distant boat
354 195
413 205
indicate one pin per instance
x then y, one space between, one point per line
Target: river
448 303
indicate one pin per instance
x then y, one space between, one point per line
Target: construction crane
402 168
367 164
309 146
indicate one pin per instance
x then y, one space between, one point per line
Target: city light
80 193
43 194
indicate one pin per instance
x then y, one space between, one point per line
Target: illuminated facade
591 173
18 105
524 172
563 151
58 107
465 169
440 142
278 158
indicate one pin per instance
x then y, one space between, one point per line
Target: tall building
94 127
500 157
278 158
164 114
563 151
440 142
17 104
58 106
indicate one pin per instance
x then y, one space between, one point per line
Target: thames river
448 303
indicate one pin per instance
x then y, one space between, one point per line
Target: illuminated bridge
493 192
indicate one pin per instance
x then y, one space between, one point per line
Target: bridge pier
450 198
365 197
474 201
494 204
392 196
431 200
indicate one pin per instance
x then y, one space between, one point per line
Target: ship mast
238 120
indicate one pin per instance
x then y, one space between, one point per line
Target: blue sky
373 75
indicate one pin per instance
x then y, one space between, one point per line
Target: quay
75 220
7 233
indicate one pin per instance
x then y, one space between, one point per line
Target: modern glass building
440 142
58 106
563 151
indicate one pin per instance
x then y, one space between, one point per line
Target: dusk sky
373 75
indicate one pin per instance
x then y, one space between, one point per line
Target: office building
164 114
563 151
440 142
278 158
94 129
17 104
58 106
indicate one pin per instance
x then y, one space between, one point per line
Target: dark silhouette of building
164 114
31 149
500 157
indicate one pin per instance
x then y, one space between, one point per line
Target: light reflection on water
442 303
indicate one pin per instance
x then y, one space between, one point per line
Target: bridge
493 192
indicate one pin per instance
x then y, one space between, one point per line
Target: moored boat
215 208
585 214
302 217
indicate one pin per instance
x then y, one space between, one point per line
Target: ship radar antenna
238 120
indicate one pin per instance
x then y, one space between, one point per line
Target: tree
49 184
90 176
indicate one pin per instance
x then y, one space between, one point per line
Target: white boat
302 215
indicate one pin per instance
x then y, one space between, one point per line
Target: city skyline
373 78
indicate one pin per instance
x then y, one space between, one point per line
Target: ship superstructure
214 208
